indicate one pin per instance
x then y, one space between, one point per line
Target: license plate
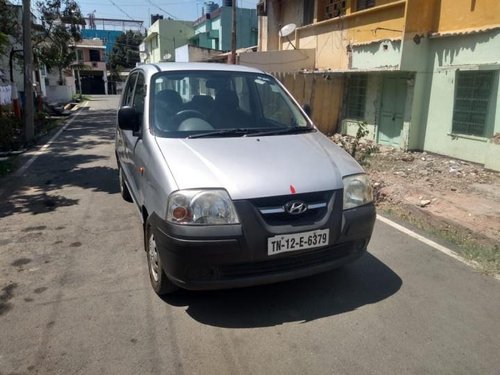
297 241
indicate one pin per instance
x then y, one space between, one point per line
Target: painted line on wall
428 242
43 149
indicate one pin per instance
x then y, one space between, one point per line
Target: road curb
434 245
20 172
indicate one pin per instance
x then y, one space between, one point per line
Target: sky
188 10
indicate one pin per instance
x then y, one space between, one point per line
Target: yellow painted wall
323 95
421 16
465 14
331 38
376 24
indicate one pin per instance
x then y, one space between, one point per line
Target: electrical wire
163 10
121 10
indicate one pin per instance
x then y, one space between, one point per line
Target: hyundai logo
295 207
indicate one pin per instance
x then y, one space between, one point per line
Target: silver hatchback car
234 184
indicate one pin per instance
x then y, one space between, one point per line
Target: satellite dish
167 56
287 29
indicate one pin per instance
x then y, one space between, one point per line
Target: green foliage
125 53
8 25
60 27
6 166
80 98
11 131
359 149
4 42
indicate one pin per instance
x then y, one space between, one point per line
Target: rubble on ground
430 170
456 191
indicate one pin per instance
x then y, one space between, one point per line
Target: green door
392 110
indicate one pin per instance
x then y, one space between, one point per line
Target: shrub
356 146
11 132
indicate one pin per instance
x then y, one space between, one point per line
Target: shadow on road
75 159
364 282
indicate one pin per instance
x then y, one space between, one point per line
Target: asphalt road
75 295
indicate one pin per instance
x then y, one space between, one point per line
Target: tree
9 26
60 27
125 53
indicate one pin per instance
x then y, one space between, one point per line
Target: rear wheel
125 193
159 280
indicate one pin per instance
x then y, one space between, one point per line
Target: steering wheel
186 114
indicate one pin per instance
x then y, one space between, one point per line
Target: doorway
392 110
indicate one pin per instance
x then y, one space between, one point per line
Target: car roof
165 67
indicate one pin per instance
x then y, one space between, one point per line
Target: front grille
272 209
284 264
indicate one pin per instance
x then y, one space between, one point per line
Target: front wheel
125 193
159 280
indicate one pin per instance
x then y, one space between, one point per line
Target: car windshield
199 104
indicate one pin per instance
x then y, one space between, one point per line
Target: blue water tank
210 6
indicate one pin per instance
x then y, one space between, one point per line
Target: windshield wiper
292 130
239 132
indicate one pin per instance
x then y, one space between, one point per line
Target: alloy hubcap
120 176
153 258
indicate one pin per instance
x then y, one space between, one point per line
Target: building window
94 55
79 55
472 99
308 12
335 8
356 97
364 4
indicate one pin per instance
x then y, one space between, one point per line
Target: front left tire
124 192
159 280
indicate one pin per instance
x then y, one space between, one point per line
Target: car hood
253 167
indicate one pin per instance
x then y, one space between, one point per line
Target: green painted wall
447 56
170 35
246 32
372 106
174 34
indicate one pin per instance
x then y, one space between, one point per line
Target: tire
124 192
159 280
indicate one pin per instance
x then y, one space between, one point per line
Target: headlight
204 207
357 191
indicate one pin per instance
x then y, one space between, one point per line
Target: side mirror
307 109
128 119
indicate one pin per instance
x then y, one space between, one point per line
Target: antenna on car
286 30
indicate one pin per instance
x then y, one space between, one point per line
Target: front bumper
230 256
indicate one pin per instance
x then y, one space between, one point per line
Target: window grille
472 97
356 97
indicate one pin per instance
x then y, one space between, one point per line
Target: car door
127 139
120 145
136 151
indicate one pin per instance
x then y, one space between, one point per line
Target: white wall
59 94
279 61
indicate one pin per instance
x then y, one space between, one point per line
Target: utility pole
29 127
233 35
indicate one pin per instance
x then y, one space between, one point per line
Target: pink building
90 68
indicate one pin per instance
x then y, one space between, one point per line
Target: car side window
129 90
139 94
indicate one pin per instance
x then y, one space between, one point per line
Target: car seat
166 104
201 103
226 112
